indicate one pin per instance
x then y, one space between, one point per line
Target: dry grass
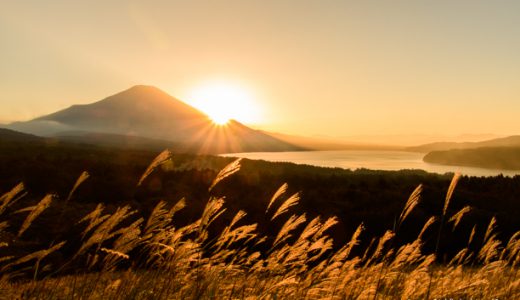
153 259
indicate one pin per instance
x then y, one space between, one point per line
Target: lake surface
368 159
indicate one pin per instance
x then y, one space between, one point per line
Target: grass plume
228 170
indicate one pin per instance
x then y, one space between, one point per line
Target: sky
335 68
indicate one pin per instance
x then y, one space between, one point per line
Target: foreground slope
148 244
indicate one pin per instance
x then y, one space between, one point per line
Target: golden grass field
124 257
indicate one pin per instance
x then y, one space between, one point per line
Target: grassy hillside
242 232
507 158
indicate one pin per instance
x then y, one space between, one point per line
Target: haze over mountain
331 144
510 141
148 112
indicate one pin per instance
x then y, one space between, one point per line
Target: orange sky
332 68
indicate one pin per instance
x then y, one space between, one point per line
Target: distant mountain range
511 141
147 116
500 153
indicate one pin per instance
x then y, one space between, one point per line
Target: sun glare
220 119
223 102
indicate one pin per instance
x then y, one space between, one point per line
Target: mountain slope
146 111
141 111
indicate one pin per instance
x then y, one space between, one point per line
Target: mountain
511 141
507 158
148 112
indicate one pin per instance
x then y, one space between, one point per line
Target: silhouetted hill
488 157
511 141
83 139
7 135
148 112
119 141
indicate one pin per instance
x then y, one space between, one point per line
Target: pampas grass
284 207
427 225
162 158
458 216
449 194
228 170
11 197
84 176
34 212
281 190
412 202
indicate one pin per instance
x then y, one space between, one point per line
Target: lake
368 159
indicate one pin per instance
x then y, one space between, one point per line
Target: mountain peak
141 93
141 88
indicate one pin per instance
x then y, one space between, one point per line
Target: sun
225 101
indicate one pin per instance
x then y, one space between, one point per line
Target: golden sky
334 68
